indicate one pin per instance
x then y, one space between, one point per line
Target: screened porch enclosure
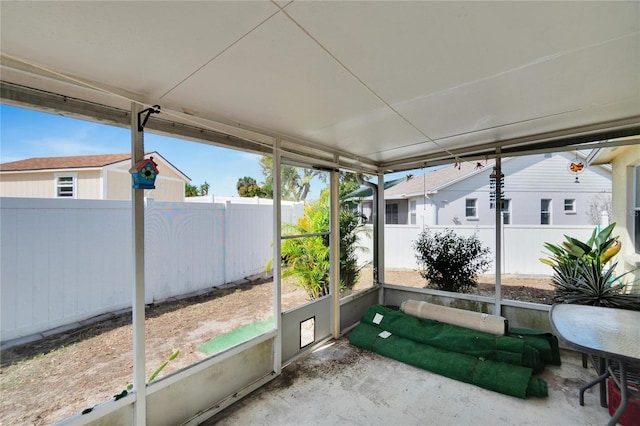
369 88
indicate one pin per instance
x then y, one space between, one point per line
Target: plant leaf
604 235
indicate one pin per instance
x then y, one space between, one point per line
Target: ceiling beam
583 137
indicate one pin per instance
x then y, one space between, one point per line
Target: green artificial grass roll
545 342
496 376
454 338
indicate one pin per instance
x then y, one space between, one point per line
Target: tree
195 191
599 203
248 187
204 188
295 182
190 190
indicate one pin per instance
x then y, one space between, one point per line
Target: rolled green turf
496 376
450 337
545 342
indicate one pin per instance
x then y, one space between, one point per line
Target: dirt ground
61 375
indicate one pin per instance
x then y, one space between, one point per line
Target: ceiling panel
144 47
284 82
381 81
401 49
542 95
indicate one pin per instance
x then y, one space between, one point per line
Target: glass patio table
606 333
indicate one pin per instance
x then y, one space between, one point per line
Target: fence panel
56 264
184 248
522 246
64 261
249 238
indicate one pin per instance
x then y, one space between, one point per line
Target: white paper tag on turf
377 318
384 334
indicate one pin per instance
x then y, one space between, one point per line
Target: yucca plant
580 276
590 284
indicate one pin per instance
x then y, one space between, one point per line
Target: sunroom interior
364 87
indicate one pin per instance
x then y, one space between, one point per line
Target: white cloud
59 146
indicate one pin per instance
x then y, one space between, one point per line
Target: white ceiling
383 82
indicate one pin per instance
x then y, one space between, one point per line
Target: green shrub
580 275
307 258
450 262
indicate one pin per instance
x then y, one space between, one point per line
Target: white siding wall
527 180
624 208
38 185
89 185
64 261
169 187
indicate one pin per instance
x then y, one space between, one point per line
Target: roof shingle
433 180
74 162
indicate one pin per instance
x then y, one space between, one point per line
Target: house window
412 212
471 210
545 212
506 212
569 205
65 185
636 211
391 211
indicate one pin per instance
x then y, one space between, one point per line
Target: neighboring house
625 162
538 189
97 177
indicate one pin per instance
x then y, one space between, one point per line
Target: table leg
623 396
602 369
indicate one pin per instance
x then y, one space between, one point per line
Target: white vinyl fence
522 246
64 261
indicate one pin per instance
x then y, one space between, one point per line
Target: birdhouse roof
143 163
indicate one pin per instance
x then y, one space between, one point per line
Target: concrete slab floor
340 384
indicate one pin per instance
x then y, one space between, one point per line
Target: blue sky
26 133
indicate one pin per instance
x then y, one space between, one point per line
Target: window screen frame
545 213
473 213
572 205
58 186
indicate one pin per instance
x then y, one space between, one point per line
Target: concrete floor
340 384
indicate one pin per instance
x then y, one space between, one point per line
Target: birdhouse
144 174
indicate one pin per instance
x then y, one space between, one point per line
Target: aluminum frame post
380 220
334 248
137 209
277 254
497 310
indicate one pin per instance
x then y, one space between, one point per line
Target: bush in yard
580 273
308 258
450 262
